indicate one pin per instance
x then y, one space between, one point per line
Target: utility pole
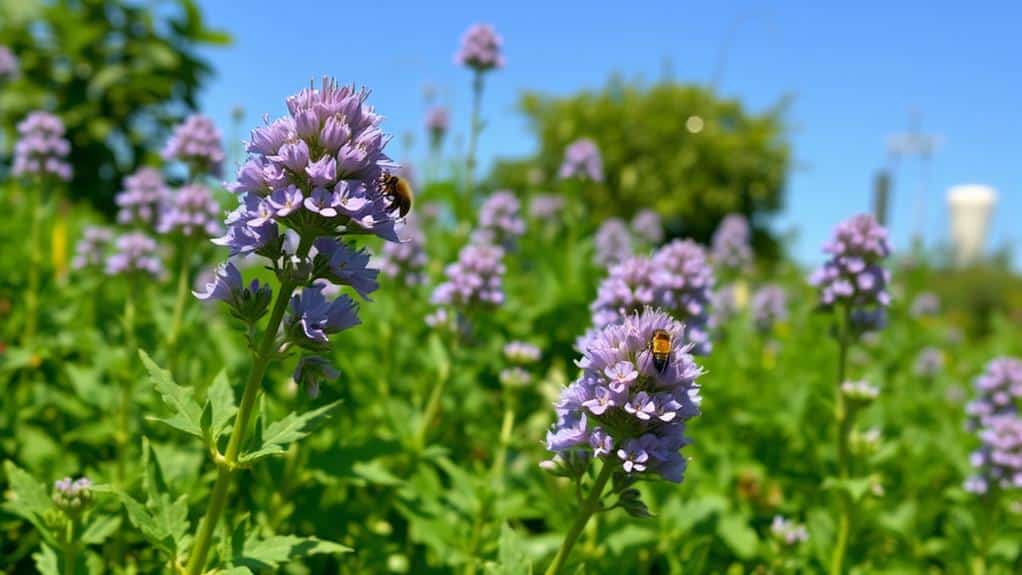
915 143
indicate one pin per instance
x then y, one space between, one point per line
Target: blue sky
856 73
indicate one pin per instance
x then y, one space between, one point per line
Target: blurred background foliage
679 149
119 73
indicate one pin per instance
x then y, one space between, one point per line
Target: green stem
32 293
429 414
505 439
183 281
226 469
589 506
843 419
127 386
70 548
474 130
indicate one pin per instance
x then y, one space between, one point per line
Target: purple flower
246 303
998 390
521 353
582 160
647 225
341 264
285 201
628 288
405 261
998 461
480 49
144 193
724 302
8 64
191 211
925 304
196 142
683 280
500 222
515 377
854 276
476 279
621 399
731 249
72 496
769 306
311 371
613 242
134 252
788 532
311 318
929 362
437 124
546 207
90 251
42 149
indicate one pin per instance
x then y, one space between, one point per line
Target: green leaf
220 398
271 552
187 413
737 534
100 528
46 561
294 427
513 556
150 528
29 494
170 517
855 488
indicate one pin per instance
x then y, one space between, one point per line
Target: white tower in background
971 206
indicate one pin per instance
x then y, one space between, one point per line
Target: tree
679 149
119 73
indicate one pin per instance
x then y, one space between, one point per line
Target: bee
660 348
399 190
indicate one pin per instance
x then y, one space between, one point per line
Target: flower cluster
725 306
677 278
769 306
998 389
546 207
191 211
647 225
500 220
622 408
72 496
317 171
859 391
788 532
925 304
196 143
684 281
998 461
143 195
613 242
405 261
730 247
8 63
42 149
929 363
582 160
480 48
247 303
521 353
437 124
853 276
90 251
476 279
134 252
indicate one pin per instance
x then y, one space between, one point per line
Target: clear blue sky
855 72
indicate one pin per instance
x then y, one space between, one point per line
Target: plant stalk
183 281
226 470
32 293
844 426
589 507
475 129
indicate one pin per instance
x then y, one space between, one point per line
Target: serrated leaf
279 434
46 561
220 398
855 488
101 527
170 516
29 494
186 412
151 530
273 551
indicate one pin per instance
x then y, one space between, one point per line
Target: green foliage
118 73
682 150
